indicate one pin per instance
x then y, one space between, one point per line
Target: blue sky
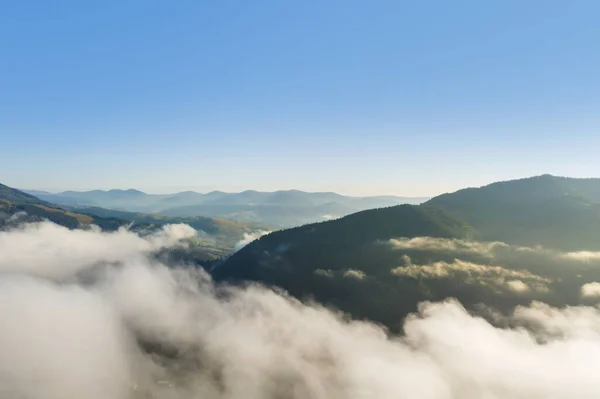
361 97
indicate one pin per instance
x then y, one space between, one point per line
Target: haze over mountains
280 208
217 237
462 297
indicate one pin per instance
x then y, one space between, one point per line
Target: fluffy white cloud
591 290
49 250
445 245
583 256
355 274
472 273
141 327
517 286
249 237
488 249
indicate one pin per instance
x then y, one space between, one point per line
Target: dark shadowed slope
544 210
332 243
379 264
295 259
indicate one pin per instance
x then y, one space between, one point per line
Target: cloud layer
248 238
472 273
49 250
591 290
118 325
492 249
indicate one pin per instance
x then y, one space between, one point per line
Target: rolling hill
280 208
313 260
217 237
546 210
504 245
17 206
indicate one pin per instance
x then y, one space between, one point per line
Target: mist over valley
410 301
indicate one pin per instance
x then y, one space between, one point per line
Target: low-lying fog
88 314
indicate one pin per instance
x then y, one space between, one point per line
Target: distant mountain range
220 238
280 208
503 244
17 206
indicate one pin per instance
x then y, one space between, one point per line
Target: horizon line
58 192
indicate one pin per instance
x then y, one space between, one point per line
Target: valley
505 244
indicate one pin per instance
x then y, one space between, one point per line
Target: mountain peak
128 191
538 210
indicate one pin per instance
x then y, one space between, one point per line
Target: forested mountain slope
504 245
544 210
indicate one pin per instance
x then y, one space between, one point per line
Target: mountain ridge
17 206
133 190
504 244
216 237
282 208
531 211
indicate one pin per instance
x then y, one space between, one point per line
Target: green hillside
217 237
297 259
545 210
379 264
226 232
13 202
9 194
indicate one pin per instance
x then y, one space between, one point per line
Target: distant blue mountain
280 208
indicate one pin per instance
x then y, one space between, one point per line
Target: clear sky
356 96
